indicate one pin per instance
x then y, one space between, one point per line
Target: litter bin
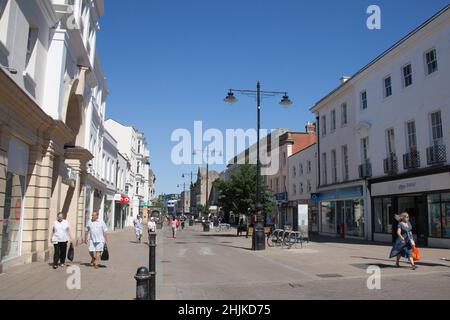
191 222
205 227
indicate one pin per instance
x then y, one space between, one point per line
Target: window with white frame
324 169
137 187
431 61
436 127
343 114
411 135
301 188
301 169
333 120
365 149
387 86
390 141
294 171
294 189
324 125
308 166
333 166
407 75
363 100
308 183
31 46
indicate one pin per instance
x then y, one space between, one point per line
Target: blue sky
169 63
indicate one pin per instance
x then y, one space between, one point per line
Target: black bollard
152 264
142 284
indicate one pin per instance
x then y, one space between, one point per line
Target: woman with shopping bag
404 242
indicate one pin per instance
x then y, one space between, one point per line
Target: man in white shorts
96 237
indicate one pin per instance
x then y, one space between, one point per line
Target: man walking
96 237
138 227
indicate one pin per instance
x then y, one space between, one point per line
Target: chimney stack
310 128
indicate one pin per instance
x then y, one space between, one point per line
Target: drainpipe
319 211
318 150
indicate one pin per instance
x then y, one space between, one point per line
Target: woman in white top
60 237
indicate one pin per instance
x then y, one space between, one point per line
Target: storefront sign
125 200
344 193
422 184
68 175
281 196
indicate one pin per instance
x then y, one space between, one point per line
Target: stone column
36 215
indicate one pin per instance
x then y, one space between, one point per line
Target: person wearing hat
404 241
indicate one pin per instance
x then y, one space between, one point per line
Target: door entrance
416 207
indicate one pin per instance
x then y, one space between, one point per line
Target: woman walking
404 242
60 237
174 225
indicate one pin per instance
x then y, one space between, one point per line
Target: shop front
293 214
427 201
13 193
341 212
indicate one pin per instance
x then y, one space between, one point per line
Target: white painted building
302 183
132 144
397 137
49 65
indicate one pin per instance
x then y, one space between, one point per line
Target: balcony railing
411 160
436 154
390 164
365 170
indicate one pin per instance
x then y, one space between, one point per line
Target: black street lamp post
258 238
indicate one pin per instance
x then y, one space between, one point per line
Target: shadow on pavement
418 263
330 239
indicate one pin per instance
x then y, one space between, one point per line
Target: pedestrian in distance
151 225
174 224
96 237
138 227
60 237
404 242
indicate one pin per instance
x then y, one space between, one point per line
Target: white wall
428 93
302 158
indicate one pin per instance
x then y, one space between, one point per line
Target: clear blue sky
169 63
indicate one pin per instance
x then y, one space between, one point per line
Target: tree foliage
239 193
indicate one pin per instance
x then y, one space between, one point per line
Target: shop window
328 216
439 215
383 215
12 216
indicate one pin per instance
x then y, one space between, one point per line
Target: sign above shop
344 193
423 184
68 175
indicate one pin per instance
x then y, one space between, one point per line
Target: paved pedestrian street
203 266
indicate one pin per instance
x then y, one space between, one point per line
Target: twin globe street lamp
258 237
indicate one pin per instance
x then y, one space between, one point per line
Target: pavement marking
206 251
182 252
283 265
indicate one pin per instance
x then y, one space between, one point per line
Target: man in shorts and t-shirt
96 237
